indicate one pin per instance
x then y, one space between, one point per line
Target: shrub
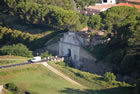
45 54
110 77
11 87
16 50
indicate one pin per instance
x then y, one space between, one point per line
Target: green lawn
39 80
7 60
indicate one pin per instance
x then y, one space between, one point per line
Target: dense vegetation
16 50
81 4
9 36
66 4
32 41
94 22
99 84
122 25
40 13
47 15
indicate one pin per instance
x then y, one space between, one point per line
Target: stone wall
71 45
53 48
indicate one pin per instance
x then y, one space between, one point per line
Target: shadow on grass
120 90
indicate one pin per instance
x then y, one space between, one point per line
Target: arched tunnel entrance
69 53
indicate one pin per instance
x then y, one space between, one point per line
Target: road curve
62 75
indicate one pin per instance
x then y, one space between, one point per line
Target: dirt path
1 87
62 75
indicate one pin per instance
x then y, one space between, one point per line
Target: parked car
36 59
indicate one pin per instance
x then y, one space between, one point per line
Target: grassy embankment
38 80
95 82
8 60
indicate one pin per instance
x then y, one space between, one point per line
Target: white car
36 59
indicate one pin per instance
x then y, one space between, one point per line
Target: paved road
25 63
62 75
14 65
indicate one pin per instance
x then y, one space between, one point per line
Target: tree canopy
66 4
16 50
47 15
122 25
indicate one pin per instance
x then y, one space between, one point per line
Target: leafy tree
115 16
84 20
47 15
9 36
16 50
66 4
81 4
121 24
94 22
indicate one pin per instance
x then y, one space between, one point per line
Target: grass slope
95 82
39 80
8 60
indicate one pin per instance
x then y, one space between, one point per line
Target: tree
94 22
49 15
16 50
81 4
66 4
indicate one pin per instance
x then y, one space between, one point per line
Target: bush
11 87
15 90
16 50
110 77
45 54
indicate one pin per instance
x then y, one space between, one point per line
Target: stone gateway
72 45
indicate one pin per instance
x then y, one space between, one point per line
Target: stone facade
71 46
